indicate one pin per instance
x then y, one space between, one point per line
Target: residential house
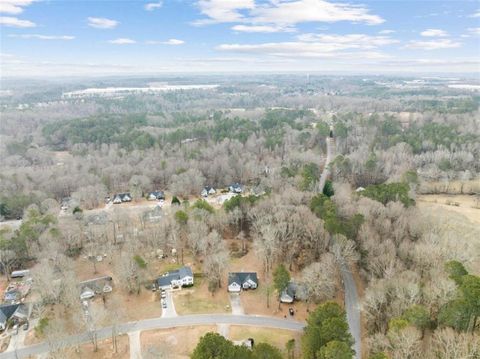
21 314
207 190
289 294
242 280
235 188
90 288
156 196
121 197
6 312
182 277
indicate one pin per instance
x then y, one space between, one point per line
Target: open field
467 205
275 337
175 343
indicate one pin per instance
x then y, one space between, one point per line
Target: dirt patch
275 337
177 343
467 205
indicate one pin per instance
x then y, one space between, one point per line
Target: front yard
177 343
198 300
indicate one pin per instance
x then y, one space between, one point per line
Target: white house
242 280
182 277
207 190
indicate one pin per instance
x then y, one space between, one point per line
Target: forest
418 268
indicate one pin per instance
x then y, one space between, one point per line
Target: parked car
164 295
15 329
26 326
164 304
291 311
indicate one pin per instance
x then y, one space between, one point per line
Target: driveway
165 323
135 346
236 304
169 311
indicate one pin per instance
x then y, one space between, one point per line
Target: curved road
352 303
164 323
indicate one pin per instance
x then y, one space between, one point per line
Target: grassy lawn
275 337
198 300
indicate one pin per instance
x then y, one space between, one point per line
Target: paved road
164 323
352 303
352 307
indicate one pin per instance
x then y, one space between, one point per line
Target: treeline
142 132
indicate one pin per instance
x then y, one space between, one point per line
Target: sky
99 37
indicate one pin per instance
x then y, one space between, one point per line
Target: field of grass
198 300
275 337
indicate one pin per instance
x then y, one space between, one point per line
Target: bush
202 204
140 261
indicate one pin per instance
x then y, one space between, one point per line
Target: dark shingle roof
242 277
6 311
177 274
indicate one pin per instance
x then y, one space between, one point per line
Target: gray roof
95 284
6 311
242 277
166 279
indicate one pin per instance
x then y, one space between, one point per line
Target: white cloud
261 28
172 42
360 41
13 6
284 12
122 41
294 12
317 45
153 6
476 14
219 11
433 44
43 37
474 30
434 33
102 23
15 22
386 32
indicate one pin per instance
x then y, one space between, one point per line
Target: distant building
90 288
242 280
122 197
207 190
156 196
182 277
235 188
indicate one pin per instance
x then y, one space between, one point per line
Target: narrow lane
352 302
